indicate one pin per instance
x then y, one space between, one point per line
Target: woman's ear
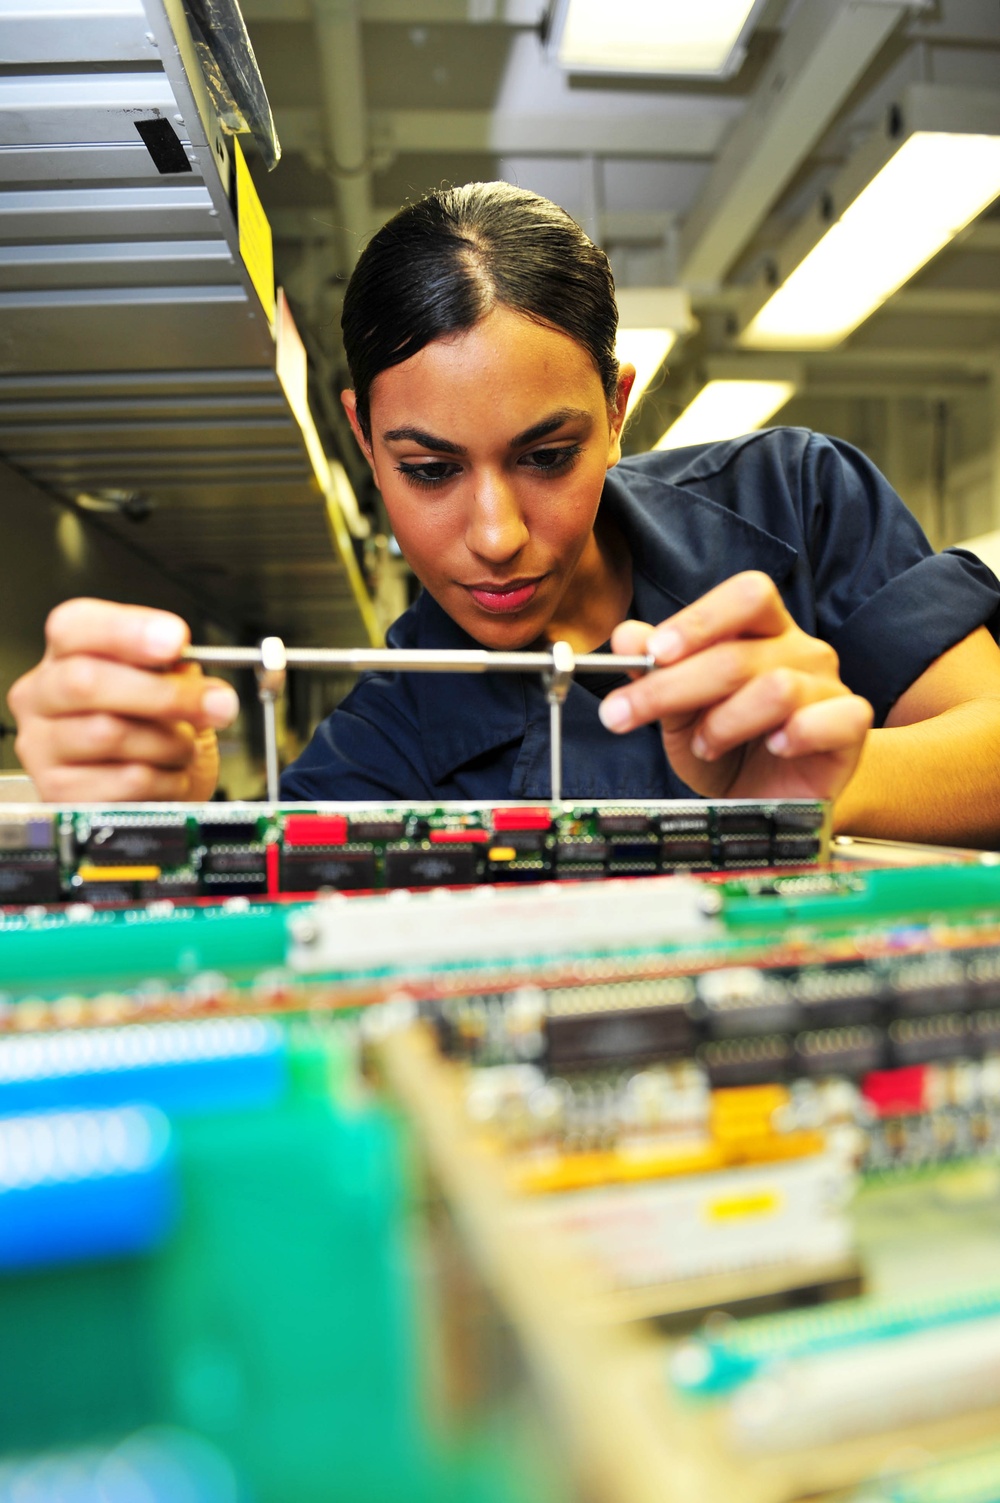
626 380
349 402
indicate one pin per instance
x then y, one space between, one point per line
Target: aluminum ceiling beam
659 134
826 50
345 117
520 13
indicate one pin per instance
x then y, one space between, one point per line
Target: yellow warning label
740 1207
256 246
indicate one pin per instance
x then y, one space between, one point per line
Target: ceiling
695 184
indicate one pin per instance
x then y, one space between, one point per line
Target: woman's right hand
110 715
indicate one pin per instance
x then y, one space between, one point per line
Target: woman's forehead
505 358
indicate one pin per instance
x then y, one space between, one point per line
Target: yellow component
119 873
741 1207
745 1111
503 853
256 245
582 1171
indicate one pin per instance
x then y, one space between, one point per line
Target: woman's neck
599 593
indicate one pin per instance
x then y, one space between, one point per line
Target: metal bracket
557 680
272 673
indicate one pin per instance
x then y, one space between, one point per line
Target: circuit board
116 857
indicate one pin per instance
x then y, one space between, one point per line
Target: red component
459 837
272 856
895 1093
316 829
522 819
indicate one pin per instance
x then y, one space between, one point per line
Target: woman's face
490 448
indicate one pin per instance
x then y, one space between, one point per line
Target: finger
131 633
103 738
762 705
82 684
747 604
827 726
673 695
125 782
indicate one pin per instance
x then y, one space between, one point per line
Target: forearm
935 780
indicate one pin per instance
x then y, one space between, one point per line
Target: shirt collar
681 543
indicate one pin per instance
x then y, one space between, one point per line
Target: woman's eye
551 459
430 473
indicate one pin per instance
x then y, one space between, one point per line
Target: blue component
75 1186
220 1064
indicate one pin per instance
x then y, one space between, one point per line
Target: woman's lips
504 599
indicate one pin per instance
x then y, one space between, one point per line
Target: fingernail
700 747
163 638
777 744
220 705
615 713
666 644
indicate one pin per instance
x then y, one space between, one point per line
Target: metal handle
271 661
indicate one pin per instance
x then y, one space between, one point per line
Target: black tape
163 144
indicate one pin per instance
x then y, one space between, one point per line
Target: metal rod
271 747
555 748
415 660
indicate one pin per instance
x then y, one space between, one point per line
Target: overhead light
886 224
707 38
650 321
725 409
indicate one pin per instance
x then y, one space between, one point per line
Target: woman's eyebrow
550 424
425 440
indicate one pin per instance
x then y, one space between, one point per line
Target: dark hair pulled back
442 263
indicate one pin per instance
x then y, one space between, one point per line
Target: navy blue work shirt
851 563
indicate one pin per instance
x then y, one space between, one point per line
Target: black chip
624 824
745 848
643 1033
238 832
522 840
442 866
742 822
840 1051
582 850
178 891
377 829
308 871
920 1042
137 845
232 884
635 850
797 817
746 1061
790 848
685 824
105 894
922 1001
29 879
235 859
680 851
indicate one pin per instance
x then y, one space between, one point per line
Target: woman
778 581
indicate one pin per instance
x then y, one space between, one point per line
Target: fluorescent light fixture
933 185
650 321
700 37
725 409
646 349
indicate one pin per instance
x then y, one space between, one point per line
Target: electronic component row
122 857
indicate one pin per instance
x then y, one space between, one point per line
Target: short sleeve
885 601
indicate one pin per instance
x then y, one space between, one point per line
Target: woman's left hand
750 705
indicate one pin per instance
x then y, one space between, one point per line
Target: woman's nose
496 528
